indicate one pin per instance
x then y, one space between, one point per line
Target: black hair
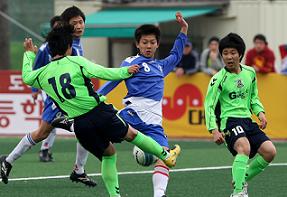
60 39
260 37
213 38
72 12
147 29
232 40
54 20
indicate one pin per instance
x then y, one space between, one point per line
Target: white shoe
240 194
245 189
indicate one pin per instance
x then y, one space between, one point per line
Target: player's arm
256 106
176 52
211 99
92 70
28 75
110 85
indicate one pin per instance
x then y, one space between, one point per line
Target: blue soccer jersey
43 57
145 91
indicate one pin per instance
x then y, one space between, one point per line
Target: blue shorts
156 132
50 111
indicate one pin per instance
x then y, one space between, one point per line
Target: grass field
194 176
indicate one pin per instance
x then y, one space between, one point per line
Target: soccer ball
142 158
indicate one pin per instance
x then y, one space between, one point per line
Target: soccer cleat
5 169
174 153
240 194
45 156
64 123
83 178
245 188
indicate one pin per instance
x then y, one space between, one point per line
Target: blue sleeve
42 58
110 85
175 54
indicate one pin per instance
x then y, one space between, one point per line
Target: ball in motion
143 158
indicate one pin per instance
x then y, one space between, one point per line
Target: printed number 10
237 130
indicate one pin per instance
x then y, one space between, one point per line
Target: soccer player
233 92
143 101
75 17
96 124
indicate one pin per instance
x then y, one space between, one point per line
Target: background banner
183 111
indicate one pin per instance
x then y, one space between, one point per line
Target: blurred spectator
283 53
211 61
189 63
261 58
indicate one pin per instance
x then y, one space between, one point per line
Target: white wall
245 17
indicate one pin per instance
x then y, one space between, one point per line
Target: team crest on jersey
239 83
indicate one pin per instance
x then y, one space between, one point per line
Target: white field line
137 172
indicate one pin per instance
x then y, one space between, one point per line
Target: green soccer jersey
236 94
66 81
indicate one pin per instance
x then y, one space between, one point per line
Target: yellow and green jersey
66 81
235 94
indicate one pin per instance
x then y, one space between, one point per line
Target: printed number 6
237 130
146 67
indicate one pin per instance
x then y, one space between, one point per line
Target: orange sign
183 110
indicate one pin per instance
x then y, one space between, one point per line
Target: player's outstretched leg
149 145
5 168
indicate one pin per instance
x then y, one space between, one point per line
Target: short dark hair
232 40
213 38
147 29
60 39
260 37
54 20
72 12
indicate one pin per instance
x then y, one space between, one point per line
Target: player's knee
131 134
268 151
271 153
110 150
242 146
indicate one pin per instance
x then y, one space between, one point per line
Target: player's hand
182 22
29 46
134 69
263 120
35 95
179 72
218 137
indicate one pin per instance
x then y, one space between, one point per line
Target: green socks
110 175
257 165
148 145
238 172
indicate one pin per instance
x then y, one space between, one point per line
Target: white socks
160 180
25 144
49 141
81 159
